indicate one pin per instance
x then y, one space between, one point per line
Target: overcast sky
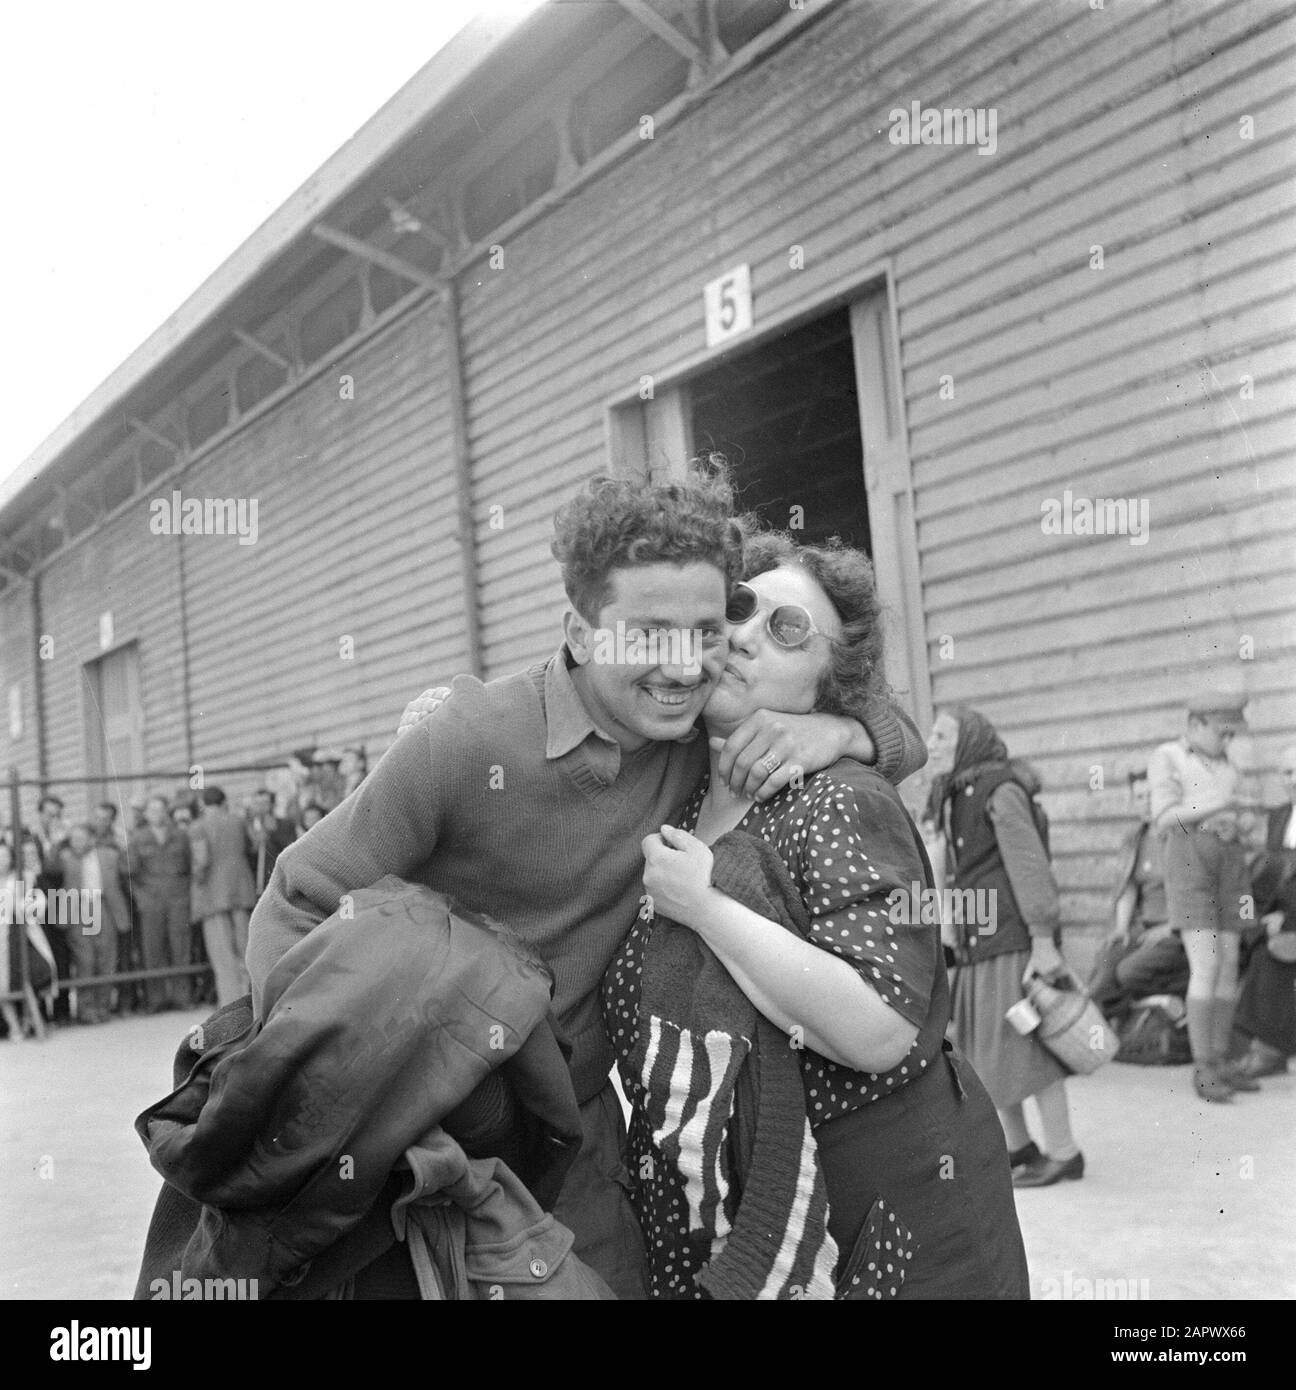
144 141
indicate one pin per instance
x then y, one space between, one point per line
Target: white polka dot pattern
846 863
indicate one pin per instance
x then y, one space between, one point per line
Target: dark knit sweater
509 800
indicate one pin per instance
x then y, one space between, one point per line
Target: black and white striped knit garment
725 1104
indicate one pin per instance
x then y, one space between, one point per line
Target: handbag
1071 1026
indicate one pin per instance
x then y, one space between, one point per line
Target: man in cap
1197 797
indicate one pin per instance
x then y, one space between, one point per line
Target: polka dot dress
844 847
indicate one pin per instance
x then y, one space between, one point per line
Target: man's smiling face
679 610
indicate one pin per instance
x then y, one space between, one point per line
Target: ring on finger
771 764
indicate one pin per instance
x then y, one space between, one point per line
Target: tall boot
1208 1081
1222 1037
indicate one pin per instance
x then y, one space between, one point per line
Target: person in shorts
1197 799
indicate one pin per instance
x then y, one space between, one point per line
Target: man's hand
677 874
1045 960
768 751
1272 922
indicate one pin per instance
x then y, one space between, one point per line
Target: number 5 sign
728 305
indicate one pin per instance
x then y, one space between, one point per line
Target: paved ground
1181 1200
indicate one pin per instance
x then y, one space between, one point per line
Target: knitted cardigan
725 1099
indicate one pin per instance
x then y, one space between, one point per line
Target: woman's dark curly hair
618 523
853 680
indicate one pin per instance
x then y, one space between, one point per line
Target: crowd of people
173 889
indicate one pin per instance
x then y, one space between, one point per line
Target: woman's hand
1045 960
769 750
677 874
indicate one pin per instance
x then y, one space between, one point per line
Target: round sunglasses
788 624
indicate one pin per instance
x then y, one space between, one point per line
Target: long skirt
1011 1065
920 1198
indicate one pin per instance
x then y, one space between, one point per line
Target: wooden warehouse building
608 236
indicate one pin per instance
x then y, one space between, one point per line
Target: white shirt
92 881
1180 776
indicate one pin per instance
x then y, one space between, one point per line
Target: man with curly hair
527 797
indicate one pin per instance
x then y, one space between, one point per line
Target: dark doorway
787 418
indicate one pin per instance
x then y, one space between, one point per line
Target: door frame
96 740
652 438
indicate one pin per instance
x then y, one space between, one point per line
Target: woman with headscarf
981 799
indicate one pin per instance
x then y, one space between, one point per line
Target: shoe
1210 1083
1237 1077
1045 1171
1028 1153
1270 1062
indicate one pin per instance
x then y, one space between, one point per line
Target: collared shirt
1178 775
570 724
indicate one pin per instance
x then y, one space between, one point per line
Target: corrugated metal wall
1124 381
125 570
1116 127
16 668
356 540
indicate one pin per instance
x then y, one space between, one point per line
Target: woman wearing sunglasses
793 928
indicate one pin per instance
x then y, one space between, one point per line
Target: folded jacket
379 1025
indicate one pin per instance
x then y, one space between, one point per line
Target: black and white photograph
648 652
